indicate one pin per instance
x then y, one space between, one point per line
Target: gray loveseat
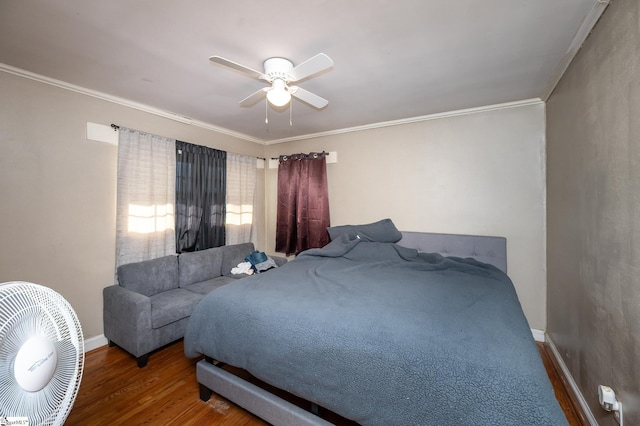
153 301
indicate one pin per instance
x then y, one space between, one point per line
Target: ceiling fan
279 72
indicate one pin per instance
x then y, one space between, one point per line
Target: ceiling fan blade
311 66
236 66
254 97
308 97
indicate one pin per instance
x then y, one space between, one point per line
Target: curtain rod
115 128
289 155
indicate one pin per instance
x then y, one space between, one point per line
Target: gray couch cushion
234 254
172 305
150 277
200 266
205 287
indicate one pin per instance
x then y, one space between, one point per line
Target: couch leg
205 393
142 360
111 344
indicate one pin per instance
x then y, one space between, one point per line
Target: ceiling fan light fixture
279 73
279 95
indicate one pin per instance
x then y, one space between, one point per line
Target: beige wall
480 173
593 148
58 189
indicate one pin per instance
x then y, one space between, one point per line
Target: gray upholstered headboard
492 250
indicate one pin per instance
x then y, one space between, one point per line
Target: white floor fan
41 354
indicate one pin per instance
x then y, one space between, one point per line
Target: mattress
383 334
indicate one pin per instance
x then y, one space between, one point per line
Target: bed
382 328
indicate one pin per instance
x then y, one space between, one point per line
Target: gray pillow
383 231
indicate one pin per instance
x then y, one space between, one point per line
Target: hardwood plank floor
574 416
115 391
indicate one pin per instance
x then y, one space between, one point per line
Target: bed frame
277 411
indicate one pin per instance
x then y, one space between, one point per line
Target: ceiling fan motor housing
278 68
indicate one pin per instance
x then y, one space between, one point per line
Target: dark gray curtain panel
200 197
303 203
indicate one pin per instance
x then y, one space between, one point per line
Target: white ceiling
394 59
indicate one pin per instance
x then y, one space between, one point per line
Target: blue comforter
383 335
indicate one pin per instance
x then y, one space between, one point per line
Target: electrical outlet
608 401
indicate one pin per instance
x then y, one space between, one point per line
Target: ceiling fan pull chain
290 113
266 111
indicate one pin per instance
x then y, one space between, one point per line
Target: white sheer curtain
146 197
241 187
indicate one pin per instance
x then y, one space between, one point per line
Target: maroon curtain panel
303 203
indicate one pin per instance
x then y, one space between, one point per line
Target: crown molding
125 102
438 116
186 120
583 32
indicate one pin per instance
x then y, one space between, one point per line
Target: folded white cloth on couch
242 268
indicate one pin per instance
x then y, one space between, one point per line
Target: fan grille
28 310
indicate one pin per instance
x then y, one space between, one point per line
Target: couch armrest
128 306
127 320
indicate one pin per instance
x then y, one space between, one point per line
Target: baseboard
95 342
576 395
538 335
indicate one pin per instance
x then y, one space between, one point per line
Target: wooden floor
560 386
115 391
